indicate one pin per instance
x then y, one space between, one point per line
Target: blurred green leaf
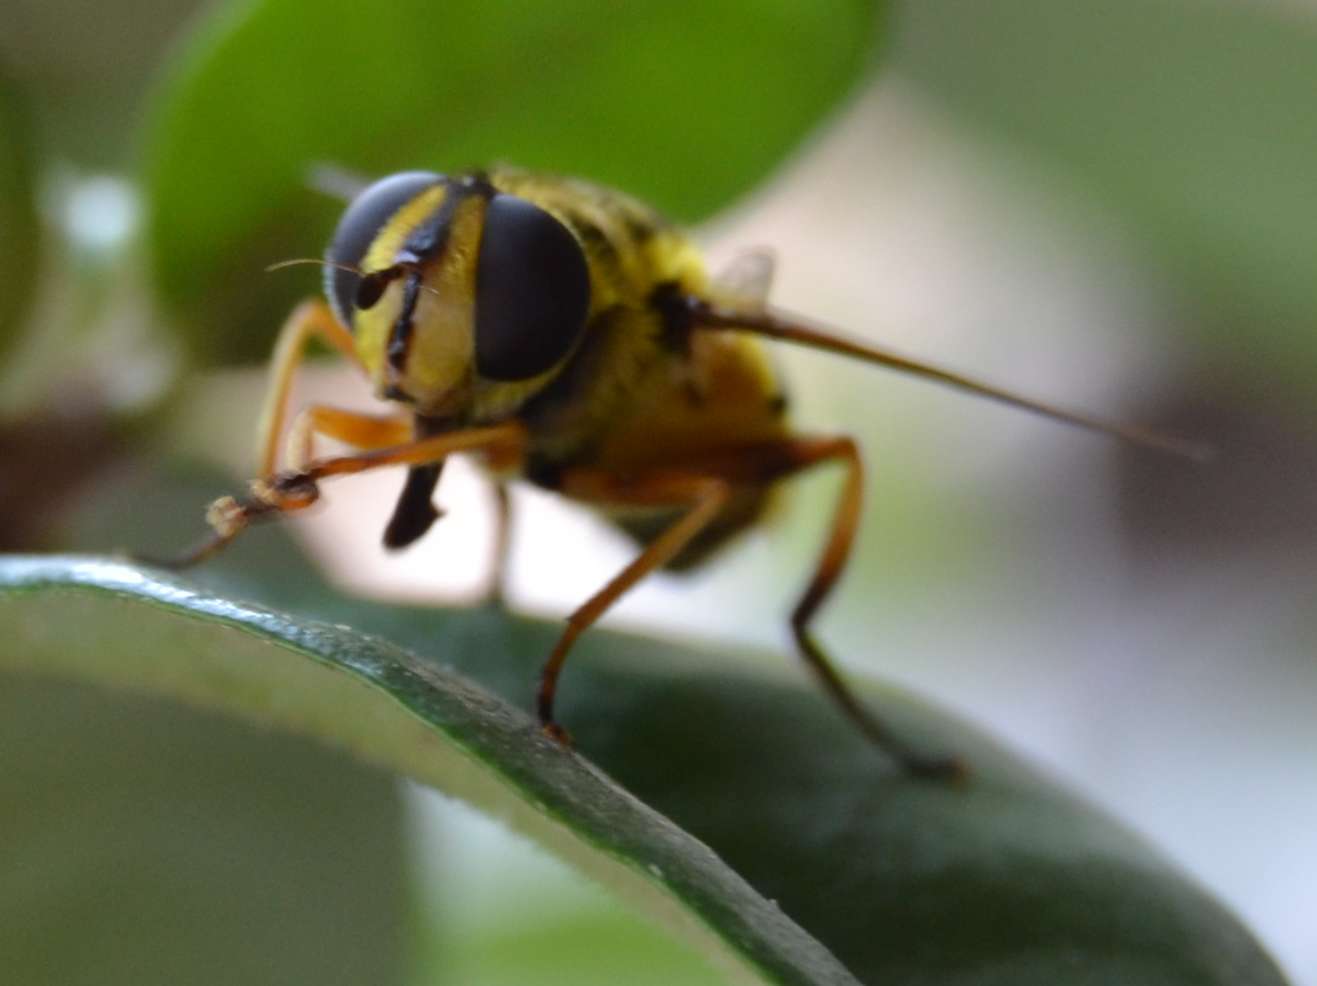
20 240
106 621
596 948
144 844
1008 878
84 67
1194 119
686 104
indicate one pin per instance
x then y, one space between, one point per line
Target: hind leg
766 462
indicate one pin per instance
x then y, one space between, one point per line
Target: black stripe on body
596 241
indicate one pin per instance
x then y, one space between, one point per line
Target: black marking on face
401 337
532 291
426 245
357 230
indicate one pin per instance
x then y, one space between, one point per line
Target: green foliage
649 97
145 843
20 241
901 880
1195 121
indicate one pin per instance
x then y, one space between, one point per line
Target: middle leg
705 496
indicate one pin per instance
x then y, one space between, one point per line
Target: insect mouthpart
393 392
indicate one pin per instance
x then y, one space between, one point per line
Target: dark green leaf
685 103
144 844
20 246
1195 120
1007 880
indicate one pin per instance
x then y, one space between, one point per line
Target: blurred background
1107 206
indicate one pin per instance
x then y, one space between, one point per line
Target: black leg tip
557 733
947 770
178 563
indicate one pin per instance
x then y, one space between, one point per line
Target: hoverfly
567 334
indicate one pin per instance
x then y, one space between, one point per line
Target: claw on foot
557 733
951 770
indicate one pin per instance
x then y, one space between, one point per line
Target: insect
567 334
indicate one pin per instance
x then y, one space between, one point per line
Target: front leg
310 320
361 431
290 491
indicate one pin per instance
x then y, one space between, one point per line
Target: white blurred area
990 573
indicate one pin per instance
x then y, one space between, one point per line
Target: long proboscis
777 324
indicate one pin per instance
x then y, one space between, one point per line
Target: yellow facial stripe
442 352
371 328
393 234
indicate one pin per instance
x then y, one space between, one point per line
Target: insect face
458 296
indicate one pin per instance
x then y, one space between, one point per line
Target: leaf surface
1007 879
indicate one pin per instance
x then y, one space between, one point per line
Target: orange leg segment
290 491
363 431
832 560
706 482
312 319
705 496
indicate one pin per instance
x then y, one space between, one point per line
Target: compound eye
357 230
532 291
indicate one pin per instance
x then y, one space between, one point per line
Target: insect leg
827 570
310 319
290 491
363 431
705 496
766 462
502 544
